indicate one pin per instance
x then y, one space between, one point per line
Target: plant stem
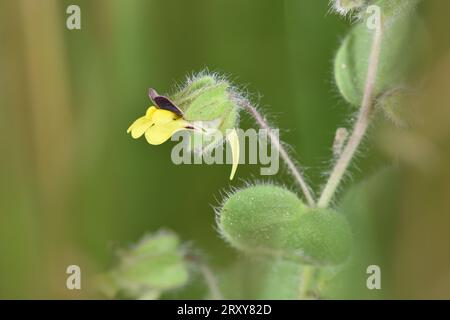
294 170
360 126
211 281
307 274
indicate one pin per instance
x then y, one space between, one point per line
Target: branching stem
360 126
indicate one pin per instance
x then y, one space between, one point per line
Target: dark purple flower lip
163 102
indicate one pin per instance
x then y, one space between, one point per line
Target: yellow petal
150 111
161 116
160 133
233 140
138 127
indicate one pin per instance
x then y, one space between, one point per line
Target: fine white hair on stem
197 259
360 126
211 281
293 168
349 9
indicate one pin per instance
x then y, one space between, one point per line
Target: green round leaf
272 221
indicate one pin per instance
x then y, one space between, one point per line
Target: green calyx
346 6
209 99
148 269
272 221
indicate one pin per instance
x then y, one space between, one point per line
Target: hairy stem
360 126
305 281
211 282
208 275
294 170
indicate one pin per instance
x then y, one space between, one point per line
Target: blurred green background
74 186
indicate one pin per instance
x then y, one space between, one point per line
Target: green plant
299 245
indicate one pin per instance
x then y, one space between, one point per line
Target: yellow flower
160 122
158 125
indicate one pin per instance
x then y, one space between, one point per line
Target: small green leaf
401 29
396 105
324 236
148 269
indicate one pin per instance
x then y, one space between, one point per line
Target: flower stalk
360 127
294 170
